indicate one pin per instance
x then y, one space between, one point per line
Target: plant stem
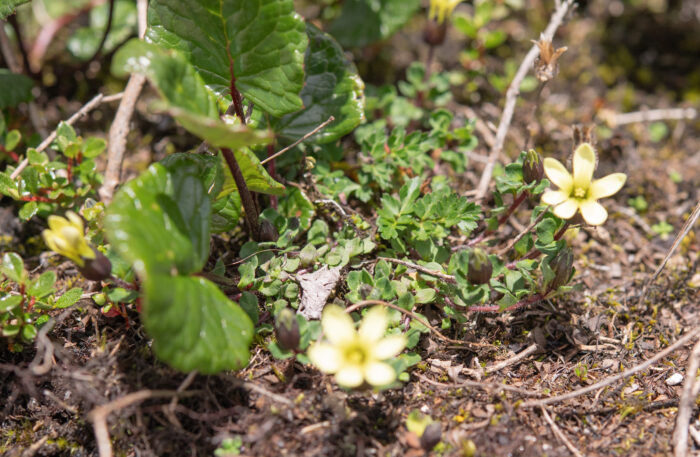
251 210
517 202
534 253
273 171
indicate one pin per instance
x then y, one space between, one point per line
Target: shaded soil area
84 359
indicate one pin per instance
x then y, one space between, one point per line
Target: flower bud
533 167
562 266
431 436
434 33
287 330
309 163
96 269
480 267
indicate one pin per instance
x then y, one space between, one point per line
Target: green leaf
92 147
260 41
332 87
43 285
12 139
20 87
84 42
28 210
13 267
160 221
184 94
363 22
29 332
194 326
69 298
7 7
9 302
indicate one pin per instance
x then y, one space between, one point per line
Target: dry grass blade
686 404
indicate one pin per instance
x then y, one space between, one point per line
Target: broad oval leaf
259 42
160 221
20 85
194 326
332 88
256 176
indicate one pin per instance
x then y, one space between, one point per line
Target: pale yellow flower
441 9
66 236
356 356
580 191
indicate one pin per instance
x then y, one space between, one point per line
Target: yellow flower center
355 355
579 192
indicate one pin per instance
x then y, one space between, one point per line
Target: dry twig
670 114
305 137
613 379
677 242
513 360
512 96
687 403
120 127
557 431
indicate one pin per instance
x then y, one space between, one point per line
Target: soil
85 359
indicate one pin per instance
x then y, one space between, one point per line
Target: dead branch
320 127
557 431
653 115
613 379
513 360
512 97
686 404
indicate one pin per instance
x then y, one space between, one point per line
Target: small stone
674 379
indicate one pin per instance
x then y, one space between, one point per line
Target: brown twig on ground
266 393
120 127
687 403
670 114
613 379
512 96
486 386
415 317
677 242
304 138
513 360
89 106
557 431
98 416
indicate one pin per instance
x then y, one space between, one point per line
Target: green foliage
25 302
168 244
84 42
266 60
363 22
7 7
21 88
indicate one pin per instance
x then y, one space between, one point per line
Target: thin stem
20 44
251 211
108 27
534 253
311 133
501 220
273 172
236 95
495 308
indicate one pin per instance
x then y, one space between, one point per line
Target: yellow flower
66 237
440 9
580 191
356 356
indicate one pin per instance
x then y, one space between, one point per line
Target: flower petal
326 357
607 186
593 212
56 223
566 209
337 325
374 324
554 197
558 174
584 165
379 374
350 376
389 347
75 220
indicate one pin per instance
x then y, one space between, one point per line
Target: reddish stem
495 308
38 198
271 168
69 169
536 252
501 220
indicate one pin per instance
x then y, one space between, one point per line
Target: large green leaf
15 88
363 22
85 40
259 42
160 221
184 94
7 7
194 326
332 87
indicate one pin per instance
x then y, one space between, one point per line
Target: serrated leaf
363 22
16 88
194 326
262 42
69 298
7 7
332 87
160 221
